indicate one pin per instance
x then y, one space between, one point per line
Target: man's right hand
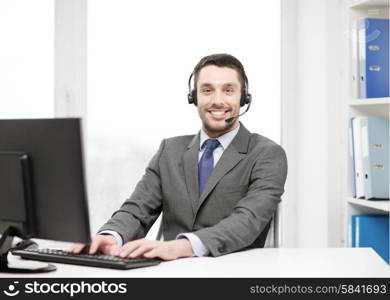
104 243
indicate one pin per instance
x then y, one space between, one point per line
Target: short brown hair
221 60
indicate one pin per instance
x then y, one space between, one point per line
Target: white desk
268 262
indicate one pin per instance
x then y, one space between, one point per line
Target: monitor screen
42 182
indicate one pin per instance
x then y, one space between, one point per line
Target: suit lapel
234 153
190 163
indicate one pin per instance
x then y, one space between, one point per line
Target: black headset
246 98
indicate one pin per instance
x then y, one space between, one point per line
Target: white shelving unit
370 4
370 102
357 9
374 206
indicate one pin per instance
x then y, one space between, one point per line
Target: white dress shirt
198 247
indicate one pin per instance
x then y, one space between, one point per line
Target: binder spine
362 57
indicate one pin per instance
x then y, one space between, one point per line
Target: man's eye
206 91
229 91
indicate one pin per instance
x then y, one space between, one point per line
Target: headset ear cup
245 99
189 97
248 98
194 98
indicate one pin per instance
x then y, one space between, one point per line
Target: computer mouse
24 244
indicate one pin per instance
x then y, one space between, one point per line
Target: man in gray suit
218 189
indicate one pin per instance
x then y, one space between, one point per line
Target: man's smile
218 114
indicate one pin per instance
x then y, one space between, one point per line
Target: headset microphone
229 120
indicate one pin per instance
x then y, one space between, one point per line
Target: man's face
218 94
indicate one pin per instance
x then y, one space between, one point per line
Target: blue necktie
206 163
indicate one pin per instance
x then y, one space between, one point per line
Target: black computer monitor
42 182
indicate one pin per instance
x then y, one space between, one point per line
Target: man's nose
217 97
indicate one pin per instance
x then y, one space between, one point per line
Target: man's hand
106 244
169 250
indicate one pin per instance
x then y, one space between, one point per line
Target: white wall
311 123
26 59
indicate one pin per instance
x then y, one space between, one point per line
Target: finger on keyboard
75 248
97 243
93 247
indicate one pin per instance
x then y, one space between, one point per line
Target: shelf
368 3
370 101
380 205
359 107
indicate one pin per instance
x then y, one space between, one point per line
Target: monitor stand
19 266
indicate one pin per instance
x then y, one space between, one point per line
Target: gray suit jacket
236 206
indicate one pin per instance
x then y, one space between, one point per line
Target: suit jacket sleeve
253 212
138 213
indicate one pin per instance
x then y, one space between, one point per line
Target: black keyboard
96 260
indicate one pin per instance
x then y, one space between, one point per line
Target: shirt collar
224 139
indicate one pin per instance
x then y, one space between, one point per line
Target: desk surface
268 262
